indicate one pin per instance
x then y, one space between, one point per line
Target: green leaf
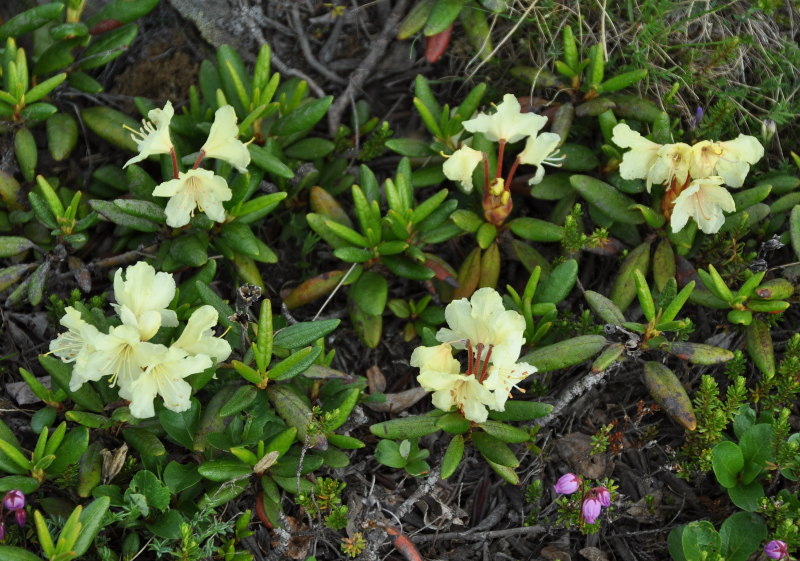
698 353
146 483
607 198
727 461
645 297
70 450
387 452
504 432
747 497
9 451
742 534
605 308
522 411
624 289
29 20
108 47
755 453
699 540
370 292
14 245
411 147
554 187
234 77
27 152
303 118
294 410
223 470
760 348
62 135
565 353
668 392
12 553
405 428
108 124
443 14
91 523
494 450
182 426
144 442
304 333
624 80
294 364
25 484
61 373
179 477
452 456
536 230
557 286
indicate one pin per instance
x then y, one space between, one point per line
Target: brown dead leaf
575 449
593 554
376 381
397 402
298 545
553 553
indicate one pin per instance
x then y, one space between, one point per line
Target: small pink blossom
14 500
603 496
20 517
591 509
567 484
776 549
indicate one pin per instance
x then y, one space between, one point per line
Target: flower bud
2 531
776 549
591 509
603 496
20 516
768 130
567 484
14 500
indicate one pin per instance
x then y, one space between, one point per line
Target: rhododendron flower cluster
492 337
13 504
594 499
196 188
507 125
693 175
140 368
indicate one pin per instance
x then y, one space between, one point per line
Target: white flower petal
704 200
223 140
196 187
153 137
198 335
460 165
508 123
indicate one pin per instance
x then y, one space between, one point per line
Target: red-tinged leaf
104 26
436 45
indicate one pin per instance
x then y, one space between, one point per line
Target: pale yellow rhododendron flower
152 139
501 380
440 373
142 298
672 163
461 164
493 338
123 355
195 188
704 200
483 320
508 123
729 159
538 150
163 374
77 345
223 140
198 336
639 160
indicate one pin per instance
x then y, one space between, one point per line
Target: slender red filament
174 163
199 159
500 153
511 173
485 364
469 357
